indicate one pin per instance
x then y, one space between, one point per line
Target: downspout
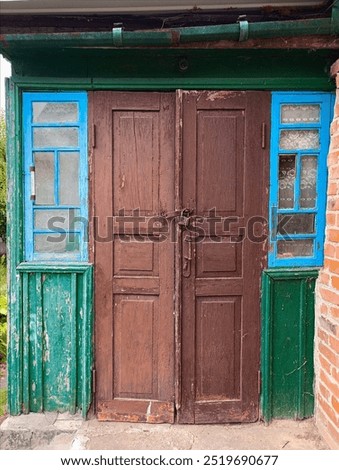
118 37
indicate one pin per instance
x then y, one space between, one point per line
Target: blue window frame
56 176
298 177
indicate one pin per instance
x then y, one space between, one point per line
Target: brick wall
327 302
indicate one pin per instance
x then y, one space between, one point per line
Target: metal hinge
263 135
259 382
94 136
94 380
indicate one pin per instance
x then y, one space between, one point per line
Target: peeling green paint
57 313
15 244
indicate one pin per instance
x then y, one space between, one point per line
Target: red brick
334 343
331 430
328 410
333 235
335 282
328 353
330 217
323 309
329 326
324 392
333 203
333 388
335 403
332 265
329 295
334 312
334 170
327 380
330 250
325 364
332 189
324 278
333 158
323 336
335 375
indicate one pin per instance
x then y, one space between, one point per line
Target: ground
61 432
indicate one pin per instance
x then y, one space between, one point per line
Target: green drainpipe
240 31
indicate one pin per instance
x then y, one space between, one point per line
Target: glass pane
294 248
308 182
56 219
69 178
295 113
286 181
294 139
295 223
44 178
55 137
56 243
55 112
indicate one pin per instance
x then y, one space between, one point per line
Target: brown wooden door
223 163
177 317
133 162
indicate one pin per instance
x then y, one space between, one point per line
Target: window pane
286 181
308 182
44 178
56 243
69 178
55 137
298 139
55 112
293 248
295 113
296 223
56 219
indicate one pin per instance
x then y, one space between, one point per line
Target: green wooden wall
57 337
287 343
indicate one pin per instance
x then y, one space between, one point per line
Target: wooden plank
26 343
87 341
136 285
141 411
36 314
73 346
15 246
100 103
219 286
178 261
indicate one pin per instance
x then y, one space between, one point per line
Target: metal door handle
32 173
187 258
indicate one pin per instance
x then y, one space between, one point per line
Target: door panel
223 187
133 163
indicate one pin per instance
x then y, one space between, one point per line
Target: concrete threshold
64 431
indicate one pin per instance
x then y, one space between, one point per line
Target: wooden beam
315 42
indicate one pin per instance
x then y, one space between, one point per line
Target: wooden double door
179 191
